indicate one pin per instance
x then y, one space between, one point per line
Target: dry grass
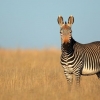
38 75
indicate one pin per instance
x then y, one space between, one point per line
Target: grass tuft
38 75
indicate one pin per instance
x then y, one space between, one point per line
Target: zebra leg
69 76
77 74
98 75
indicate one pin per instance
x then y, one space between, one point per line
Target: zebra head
65 29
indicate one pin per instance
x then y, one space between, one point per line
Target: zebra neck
67 48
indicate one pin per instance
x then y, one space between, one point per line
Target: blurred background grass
38 75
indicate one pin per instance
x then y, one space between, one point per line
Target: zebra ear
70 20
60 20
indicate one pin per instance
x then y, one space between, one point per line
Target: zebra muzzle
65 40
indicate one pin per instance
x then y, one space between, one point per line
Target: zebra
77 58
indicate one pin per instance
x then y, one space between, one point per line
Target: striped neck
67 48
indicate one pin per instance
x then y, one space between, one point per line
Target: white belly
86 71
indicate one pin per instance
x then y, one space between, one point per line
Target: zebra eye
61 31
70 31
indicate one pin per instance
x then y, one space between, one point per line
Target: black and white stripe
76 58
80 59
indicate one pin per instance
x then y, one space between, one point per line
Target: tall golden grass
38 75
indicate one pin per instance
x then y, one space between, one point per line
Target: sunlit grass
38 75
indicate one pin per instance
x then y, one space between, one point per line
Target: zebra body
76 58
91 58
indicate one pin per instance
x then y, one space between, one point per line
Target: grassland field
38 75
